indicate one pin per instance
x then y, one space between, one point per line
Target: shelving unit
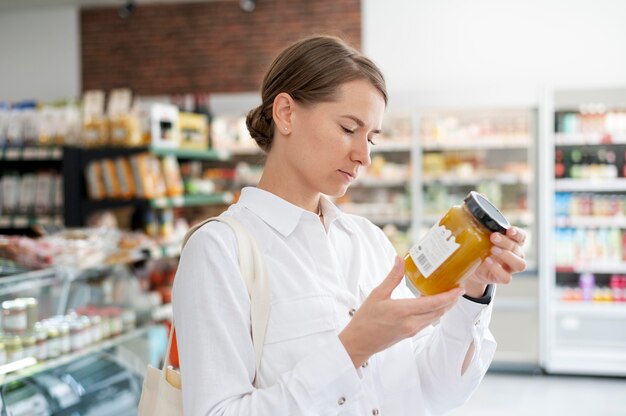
32 163
584 223
79 206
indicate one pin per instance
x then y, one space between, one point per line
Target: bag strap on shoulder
254 275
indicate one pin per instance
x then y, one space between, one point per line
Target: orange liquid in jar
474 247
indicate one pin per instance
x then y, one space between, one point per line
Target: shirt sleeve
216 353
440 351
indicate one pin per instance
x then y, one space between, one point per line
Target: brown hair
310 71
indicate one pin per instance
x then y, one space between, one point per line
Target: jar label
435 248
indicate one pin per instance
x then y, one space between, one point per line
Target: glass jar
454 247
96 328
64 337
13 347
32 312
87 330
29 345
77 334
41 337
3 353
54 341
14 318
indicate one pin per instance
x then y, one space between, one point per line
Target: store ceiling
7 5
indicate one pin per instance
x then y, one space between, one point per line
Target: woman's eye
371 142
347 130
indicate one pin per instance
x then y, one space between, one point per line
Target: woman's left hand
507 257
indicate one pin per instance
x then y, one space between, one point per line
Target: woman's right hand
381 322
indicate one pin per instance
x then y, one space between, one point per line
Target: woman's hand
507 257
381 322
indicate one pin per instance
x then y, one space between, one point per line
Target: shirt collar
282 215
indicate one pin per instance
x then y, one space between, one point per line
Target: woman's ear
282 113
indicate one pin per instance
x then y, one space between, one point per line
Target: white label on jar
15 323
54 347
435 248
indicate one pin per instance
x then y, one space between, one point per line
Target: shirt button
341 401
477 323
365 364
352 312
375 412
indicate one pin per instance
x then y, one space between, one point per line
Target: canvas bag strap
254 275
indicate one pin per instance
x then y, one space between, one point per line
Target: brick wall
202 47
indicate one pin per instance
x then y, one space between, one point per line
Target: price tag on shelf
30 153
42 153
20 221
56 153
178 201
12 153
160 202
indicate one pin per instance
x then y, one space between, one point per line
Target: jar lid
485 212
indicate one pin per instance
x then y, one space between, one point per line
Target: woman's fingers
509 259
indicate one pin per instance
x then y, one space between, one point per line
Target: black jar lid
486 212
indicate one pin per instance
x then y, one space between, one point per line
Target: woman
344 337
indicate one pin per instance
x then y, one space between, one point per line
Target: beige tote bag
161 393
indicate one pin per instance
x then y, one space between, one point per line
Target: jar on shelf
64 336
14 318
3 353
41 342
54 341
87 330
29 345
77 334
96 328
117 326
13 347
32 311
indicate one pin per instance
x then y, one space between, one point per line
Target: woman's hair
310 71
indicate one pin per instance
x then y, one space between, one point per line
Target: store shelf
27 221
36 368
524 219
588 309
598 268
381 183
590 185
476 179
29 280
585 139
401 222
215 155
391 147
222 198
473 143
618 221
31 153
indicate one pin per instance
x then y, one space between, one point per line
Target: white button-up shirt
318 276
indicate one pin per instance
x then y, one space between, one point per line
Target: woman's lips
349 177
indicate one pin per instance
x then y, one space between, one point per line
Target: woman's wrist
474 289
351 348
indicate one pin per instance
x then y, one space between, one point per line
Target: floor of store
546 395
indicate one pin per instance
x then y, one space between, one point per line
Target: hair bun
260 127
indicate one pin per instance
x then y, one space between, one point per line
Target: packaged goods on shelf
231 133
171 174
124 125
30 193
164 125
28 252
125 177
194 132
95 180
95 130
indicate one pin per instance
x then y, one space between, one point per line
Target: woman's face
330 142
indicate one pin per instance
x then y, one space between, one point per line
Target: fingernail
496 250
488 260
513 231
496 238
